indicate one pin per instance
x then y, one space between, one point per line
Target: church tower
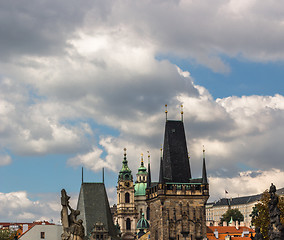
140 189
177 201
126 212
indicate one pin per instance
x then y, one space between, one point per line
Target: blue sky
80 83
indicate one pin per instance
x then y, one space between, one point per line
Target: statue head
76 212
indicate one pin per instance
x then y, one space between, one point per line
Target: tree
260 213
6 234
235 214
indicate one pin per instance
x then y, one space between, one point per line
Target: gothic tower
140 189
126 212
177 201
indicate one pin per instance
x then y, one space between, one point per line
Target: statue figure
276 230
72 228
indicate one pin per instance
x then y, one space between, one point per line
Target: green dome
143 223
125 172
142 170
140 189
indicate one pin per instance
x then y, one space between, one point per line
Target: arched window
127 197
128 224
148 213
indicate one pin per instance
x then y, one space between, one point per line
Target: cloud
18 206
5 159
251 182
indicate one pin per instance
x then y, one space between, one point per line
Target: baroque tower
126 212
140 189
177 201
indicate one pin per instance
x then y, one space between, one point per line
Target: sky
81 80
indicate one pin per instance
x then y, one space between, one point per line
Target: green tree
235 214
260 214
6 234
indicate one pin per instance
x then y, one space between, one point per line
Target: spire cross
166 111
142 162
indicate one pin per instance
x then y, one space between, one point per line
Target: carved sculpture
72 228
276 229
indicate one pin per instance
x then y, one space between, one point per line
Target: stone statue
276 229
72 228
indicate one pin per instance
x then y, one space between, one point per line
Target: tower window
127 197
128 224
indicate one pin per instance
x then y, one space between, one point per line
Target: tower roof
142 169
125 172
94 207
204 172
175 166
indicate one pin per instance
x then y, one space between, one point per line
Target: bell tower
126 211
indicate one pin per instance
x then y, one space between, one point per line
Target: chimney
242 224
224 224
237 225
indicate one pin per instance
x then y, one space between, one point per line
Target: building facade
177 201
215 210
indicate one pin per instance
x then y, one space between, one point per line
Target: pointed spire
166 112
149 172
125 172
204 173
181 112
103 175
189 165
82 175
142 162
161 178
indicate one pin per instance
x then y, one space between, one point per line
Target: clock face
126 184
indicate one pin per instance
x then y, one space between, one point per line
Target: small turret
204 173
149 172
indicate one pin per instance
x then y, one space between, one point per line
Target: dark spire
82 175
204 173
149 172
103 175
175 164
161 177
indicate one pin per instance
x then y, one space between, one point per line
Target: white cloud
18 206
245 184
5 159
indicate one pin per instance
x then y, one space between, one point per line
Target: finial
203 152
166 111
142 162
161 149
148 157
188 157
181 112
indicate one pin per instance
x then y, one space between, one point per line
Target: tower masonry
177 201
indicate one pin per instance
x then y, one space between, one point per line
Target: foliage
6 234
232 213
260 213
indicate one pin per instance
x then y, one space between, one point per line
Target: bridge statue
72 228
